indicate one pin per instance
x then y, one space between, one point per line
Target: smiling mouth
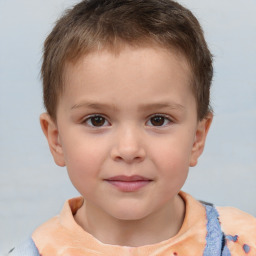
128 183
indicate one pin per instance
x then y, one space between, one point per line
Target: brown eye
97 121
158 120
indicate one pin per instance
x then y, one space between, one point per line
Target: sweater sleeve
27 248
240 230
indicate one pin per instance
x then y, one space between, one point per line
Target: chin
129 214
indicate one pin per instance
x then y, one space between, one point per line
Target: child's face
127 129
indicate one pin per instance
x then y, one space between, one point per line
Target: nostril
138 158
128 156
128 145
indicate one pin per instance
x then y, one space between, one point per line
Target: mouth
129 183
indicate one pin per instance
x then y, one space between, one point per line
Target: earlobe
200 138
51 133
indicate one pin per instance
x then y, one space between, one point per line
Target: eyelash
88 120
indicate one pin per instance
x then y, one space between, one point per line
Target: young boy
126 89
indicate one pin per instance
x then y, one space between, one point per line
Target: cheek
172 162
84 151
83 170
174 176
83 161
175 169
173 157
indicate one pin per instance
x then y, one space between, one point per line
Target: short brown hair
97 24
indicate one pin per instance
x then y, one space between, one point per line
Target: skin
148 126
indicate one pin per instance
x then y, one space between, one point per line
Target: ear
51 133
200 138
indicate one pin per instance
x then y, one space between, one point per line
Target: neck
156 227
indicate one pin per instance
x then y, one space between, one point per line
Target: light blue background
32 188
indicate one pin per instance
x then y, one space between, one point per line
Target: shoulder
27 248
233 219
239 228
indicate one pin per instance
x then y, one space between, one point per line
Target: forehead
132 71
152 57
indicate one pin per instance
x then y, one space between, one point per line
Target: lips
128 183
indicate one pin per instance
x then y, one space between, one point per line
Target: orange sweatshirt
62 236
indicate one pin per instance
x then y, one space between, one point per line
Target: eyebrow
143 107
93 105
164 105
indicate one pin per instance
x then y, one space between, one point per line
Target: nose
128 146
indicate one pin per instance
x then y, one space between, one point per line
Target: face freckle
136 159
